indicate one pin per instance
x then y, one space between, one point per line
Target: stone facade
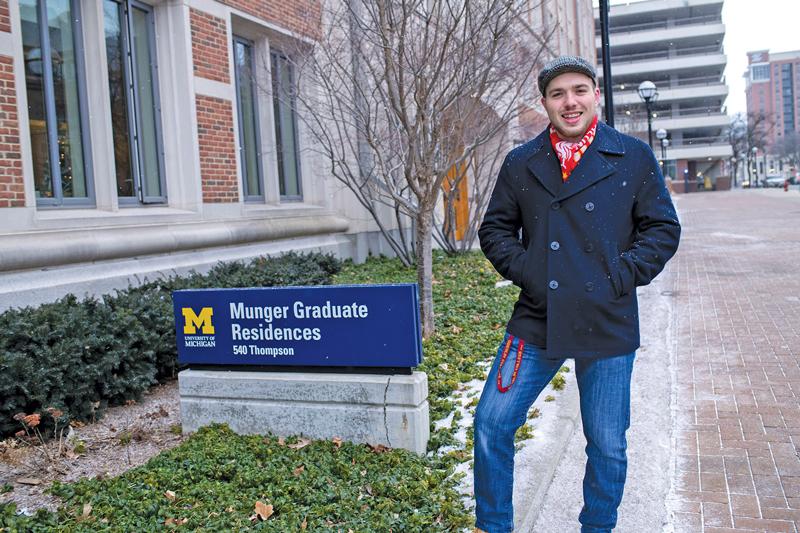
190 175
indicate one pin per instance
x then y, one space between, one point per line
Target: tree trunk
425 270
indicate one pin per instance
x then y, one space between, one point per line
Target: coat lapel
593 167
543 164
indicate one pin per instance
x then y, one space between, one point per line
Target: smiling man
597 222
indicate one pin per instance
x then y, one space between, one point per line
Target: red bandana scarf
570 153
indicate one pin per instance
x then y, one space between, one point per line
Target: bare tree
405 91
756 136
788 149
737 138
745 133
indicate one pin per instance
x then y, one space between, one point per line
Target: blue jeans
604 386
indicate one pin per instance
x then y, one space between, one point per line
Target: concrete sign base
391 410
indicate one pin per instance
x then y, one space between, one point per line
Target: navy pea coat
585 244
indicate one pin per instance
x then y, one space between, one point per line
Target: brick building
141 137
773 90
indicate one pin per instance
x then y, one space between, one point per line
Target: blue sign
342 325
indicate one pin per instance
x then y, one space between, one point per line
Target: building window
670 168
788 98
56 94
135 109
249 141
283 96
759 72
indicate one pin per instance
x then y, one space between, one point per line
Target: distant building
676 44
773 89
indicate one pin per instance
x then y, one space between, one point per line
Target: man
597 222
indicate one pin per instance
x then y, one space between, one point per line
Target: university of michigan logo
201 320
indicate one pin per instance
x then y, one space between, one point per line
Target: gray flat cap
562 65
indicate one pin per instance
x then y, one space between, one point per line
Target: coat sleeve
656 229
499 231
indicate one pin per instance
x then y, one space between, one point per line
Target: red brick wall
5 19
12 189
301 16
217 149
209 46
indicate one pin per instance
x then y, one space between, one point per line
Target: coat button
589 248
589 206
589 286
553 284
555 206
555 245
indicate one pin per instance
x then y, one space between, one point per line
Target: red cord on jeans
518 362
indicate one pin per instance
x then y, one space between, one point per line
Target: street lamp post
648 93
736 135
608 110
754 149
661 135
743 164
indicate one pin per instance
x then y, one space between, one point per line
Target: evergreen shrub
82 356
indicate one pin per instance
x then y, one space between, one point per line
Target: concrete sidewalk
713 446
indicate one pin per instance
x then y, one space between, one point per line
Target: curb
543 467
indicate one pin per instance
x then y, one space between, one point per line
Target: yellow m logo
193 321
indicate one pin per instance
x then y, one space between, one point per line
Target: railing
699 141
709 49
689 112
662 89
687 143
665 54
661 24
698 81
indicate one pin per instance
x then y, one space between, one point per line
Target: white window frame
58 200
266 41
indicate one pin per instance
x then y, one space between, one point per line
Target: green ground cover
213 481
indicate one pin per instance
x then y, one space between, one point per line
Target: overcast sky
756 25
772 25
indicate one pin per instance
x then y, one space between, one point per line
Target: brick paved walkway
737 331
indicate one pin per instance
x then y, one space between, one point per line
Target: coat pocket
611 263
524 277
533 282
